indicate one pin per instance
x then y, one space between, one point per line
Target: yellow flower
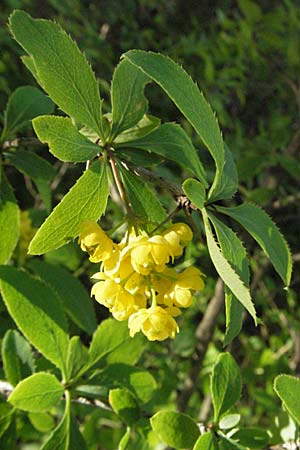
156 323
178 235
189 279
93 240
148 253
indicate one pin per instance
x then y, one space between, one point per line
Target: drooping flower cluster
134 281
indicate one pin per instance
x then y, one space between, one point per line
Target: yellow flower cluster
134 274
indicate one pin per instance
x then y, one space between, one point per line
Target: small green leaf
175 429
288 390
139 381
127 97
18 362
234 251
252 437
229 421
265 232
226 272
64 140
206 441
42 422
171 142
73 295
124 440
187 97
76 358
145 126
144 202
226 443
86 200
37 393
37 312
9 221
24 104
225 384
125 405
61 68
195 191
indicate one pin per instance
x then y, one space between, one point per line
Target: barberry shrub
136 278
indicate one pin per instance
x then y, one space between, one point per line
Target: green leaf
265 232
86 200
226 384
146 125
228 184
226 443
73 295
252 437
125 405
31 164
226 272
37 312
76 358
127 97
288 390
37 393
139 381
24 104
42 422
108 338
175 429
65 141
144 202
234 251
18 362
124 440
9 221
29 64
61 68
207 441
6 417
170 141
195 191
187 97
229 421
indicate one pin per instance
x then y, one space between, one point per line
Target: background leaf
187 97
64 140
37 393
72 294
61 68
175 429
127 96
25 103
9 221
17 357
195 191
288 390
125 405
86 200
226 384
37 312
265 232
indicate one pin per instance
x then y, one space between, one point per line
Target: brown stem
204 334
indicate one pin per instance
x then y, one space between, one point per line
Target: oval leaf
18 362
62 69
37 312
37 393
9 221
64 140
265 232
125 405
195 191
288 390
86 200
207 441
252 437
175 429
226 384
